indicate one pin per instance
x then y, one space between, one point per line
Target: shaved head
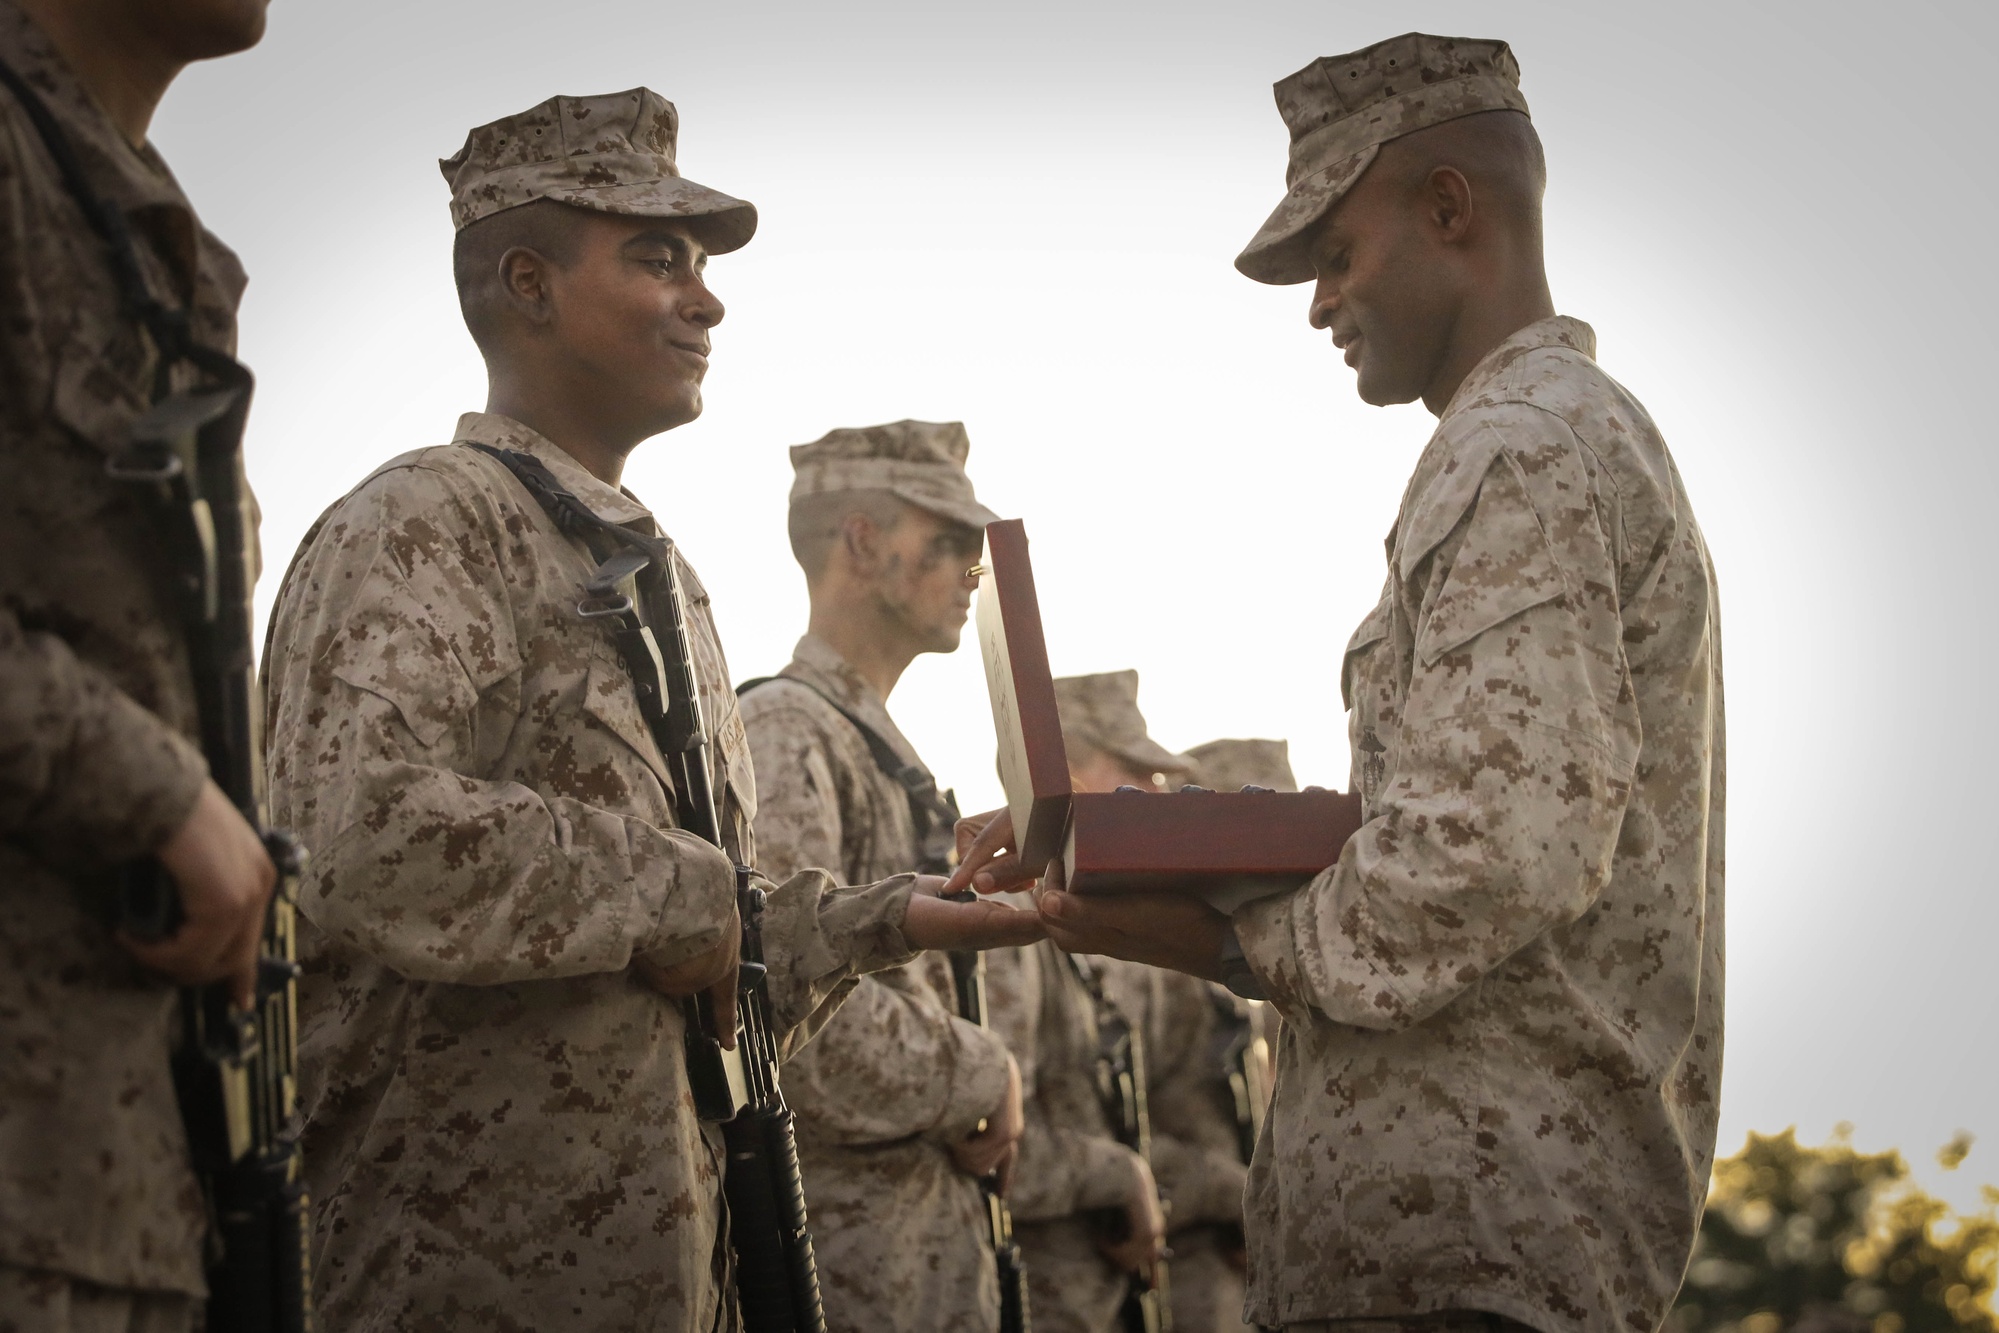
816 521
550 229
1497 151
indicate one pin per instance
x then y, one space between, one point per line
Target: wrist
1233 969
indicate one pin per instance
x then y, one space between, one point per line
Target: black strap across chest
673 716
934 813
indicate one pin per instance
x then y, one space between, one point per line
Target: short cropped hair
1499 152
815 521
549 228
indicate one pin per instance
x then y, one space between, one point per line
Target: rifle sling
929 809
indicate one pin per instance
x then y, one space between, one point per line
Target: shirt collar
613 504
1555 331
819 664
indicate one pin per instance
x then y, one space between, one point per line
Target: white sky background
1022 216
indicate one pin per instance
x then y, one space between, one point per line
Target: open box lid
1033 766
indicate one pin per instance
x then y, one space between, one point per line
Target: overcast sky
1022 216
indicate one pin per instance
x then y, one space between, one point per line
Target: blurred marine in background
903 1106
101 1218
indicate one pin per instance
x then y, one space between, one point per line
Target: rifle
635 590
235 1072
968 975
1120 1073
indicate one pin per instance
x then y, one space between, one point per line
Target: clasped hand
993 1149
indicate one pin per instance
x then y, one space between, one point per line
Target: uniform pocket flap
1503 566
1372 630
610 697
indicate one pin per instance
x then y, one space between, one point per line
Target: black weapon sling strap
775 1292
621 554
929 809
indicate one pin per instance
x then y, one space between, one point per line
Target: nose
702 306
1325 304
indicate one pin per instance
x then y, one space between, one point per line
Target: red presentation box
1228 847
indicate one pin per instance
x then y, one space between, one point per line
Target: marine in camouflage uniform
1525 938
500 1127
101 1220
896 1079
1501 1053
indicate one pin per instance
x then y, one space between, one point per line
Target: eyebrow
681 247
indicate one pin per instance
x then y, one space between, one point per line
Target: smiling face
923 582
630 314
1387 287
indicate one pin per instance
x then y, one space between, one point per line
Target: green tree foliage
1829 1240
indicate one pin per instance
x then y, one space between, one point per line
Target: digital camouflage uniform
500 1132
100 1215
1497 1079
499 1126
895 1078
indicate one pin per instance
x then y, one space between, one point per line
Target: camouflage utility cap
1341 109
1231 765
612 153
922 462
1102 711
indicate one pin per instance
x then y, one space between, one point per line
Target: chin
212 28
1376 394
678 411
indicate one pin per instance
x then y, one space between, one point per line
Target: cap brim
723 222
1277 253
972 515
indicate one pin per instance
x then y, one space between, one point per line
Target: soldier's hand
934 922
984 1153
987 859
1144 1241
1170 930
225 879
712 972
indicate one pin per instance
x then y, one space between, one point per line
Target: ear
1447 204
525 283
862 541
